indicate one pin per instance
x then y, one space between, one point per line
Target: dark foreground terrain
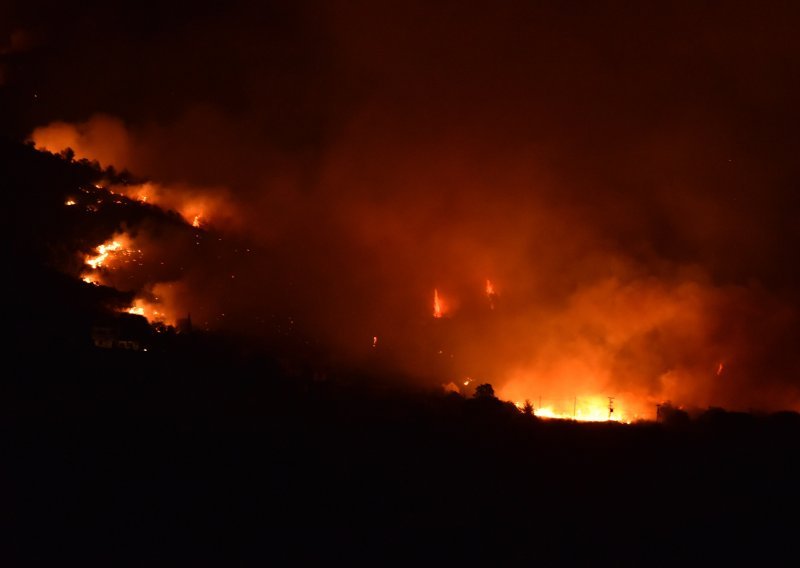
196 456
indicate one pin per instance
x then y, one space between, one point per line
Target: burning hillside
338 270
524 220
607 327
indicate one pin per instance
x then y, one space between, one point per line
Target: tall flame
437 304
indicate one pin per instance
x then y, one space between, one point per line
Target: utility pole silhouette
610 406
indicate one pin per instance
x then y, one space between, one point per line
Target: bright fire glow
438 309
196 205
720 368
594 408
69 202
106 255
91 278
103 251
154 312
590 409
490 293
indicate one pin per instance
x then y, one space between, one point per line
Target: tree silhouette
527 409
484 391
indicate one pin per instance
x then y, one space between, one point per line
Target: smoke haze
624 177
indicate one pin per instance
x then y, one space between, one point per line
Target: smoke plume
623 179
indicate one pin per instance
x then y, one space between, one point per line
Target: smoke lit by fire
106 141
627 231
198 207
152 310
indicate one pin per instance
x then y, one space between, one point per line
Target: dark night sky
625 172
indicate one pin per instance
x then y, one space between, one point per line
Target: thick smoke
624 180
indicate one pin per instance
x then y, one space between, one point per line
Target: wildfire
154 312
69 202
720 368
197 206
103 251
490 293
591 409
592 415
105 255
438 310
91 278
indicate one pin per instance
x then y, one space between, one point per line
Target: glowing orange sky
619 180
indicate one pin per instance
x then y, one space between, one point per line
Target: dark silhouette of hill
208 448
208 452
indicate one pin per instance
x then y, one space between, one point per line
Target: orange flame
583 409
720 368
106 255
490 293
90 278
154 312
197 206
103 251
438 310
